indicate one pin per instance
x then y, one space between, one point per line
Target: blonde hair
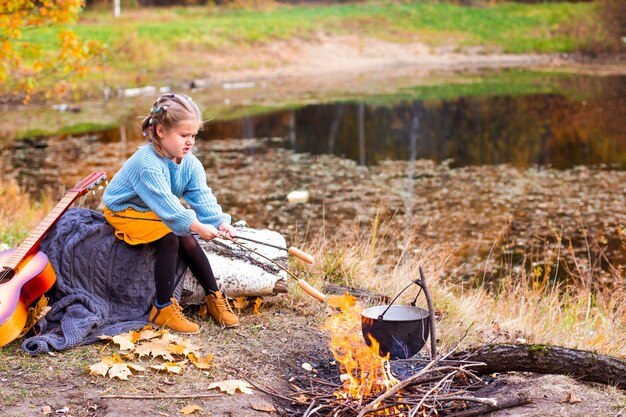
168 111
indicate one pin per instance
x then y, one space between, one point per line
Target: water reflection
542 129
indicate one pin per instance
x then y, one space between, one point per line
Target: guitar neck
31 243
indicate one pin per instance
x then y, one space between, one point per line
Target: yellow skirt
136 227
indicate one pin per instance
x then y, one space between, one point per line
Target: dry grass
18 214
525 305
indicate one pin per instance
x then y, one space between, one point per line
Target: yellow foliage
17 16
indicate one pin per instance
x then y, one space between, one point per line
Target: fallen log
544 359
239 272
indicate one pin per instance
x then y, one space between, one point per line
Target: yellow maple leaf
111 360
240 303
172 368
99 368
135 367
154 348
119 370
148 333
124 341
35 313
190 409
200 362
230 386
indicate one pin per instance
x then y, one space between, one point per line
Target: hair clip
145 134
158 109
151 120
165 108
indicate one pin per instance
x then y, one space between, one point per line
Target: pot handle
421 282
380 317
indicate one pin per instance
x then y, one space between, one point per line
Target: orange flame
363 372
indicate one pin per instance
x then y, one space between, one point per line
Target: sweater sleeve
154 189
201 198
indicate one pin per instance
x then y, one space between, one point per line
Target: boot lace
222 303
178 310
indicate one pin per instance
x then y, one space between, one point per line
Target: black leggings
168 248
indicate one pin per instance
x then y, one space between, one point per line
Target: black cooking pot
401 331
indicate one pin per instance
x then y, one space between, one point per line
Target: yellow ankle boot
172 316
220 310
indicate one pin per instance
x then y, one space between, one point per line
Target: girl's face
178 141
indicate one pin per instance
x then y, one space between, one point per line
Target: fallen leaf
307 366
154 348
231 386
120 371
172 368
136 368
263 406
257 305
124 341
572 398
99 368
35 313
240 303
148 333
200 362
190 409
46 409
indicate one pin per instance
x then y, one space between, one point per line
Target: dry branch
580 364
477 411
159 397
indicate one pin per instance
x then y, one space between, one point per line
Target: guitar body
33 279
25 273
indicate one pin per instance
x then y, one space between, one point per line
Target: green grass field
509 27
514 28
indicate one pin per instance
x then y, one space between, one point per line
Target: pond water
504 149
585 127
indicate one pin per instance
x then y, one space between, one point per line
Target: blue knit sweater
150 182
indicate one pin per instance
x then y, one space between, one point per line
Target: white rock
298 196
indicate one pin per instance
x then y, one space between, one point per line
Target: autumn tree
26 64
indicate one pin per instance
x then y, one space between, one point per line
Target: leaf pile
174 351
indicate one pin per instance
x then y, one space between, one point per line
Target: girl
142 204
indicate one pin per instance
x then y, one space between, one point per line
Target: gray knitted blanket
103 287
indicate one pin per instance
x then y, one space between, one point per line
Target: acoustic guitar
25 273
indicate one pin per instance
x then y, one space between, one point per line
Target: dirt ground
269 348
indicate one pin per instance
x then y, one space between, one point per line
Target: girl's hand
205 231
227 230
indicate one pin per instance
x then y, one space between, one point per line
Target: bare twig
430 391
159 397
487 401
516 402
273 394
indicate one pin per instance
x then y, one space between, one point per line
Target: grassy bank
525 306
154 45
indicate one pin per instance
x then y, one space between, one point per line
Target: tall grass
18 214
526 305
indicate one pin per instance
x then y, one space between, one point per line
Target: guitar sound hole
6 275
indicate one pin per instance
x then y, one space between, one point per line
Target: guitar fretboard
31 243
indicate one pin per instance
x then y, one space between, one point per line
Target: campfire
367 386
363 372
